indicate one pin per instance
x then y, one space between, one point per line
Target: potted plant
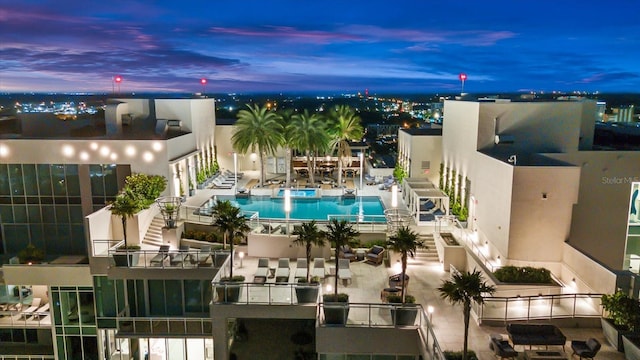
404 312
406 242
631 344
233 224
336 306
465 287
31 255
126 204
623 317
229 289
308 235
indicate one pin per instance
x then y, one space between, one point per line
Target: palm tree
285 117
257 128
344 126
406 242
309 135
463 288
339 233
232 222
126 204
309 235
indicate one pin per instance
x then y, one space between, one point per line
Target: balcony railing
172 259
263 294
164 326
542 307
24 319
372 315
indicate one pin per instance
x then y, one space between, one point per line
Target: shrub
457 355
341 297
397 299
149 187
623 310
379 242
523 275
30 254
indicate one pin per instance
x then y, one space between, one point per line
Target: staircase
154 233
428 254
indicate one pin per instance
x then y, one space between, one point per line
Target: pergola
424 200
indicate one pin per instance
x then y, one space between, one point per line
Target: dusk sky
412 46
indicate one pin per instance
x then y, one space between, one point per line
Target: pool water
300 193
362 208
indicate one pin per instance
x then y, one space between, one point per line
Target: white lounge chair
283 271
318 268
344 272
301 269
263 268
35 304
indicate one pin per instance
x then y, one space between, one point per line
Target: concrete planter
128 258
336 313
229 292
631 346
613 333
307 293
404 315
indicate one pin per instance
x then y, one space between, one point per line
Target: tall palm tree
406 242
257 128
126 204
464 288
339 233
232 222
309 235
309 135
285 117
344 126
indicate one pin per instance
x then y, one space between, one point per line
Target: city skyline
287 46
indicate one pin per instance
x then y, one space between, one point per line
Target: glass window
4 180
73 180
15 179
173 293
110 180
156 297
58 181
6 213
34 214
48 214
44 179
97 185
87 314
106 296
30 179
75 213
20 214
62 213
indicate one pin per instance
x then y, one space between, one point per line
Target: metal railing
27 357
371 315
100 248
17 318
430 348
541 307
172 259
178 326
261 294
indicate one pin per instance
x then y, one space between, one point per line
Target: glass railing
264 294
172 259
540 307
370 315
100 248
430 348
27 357
164 326
25 318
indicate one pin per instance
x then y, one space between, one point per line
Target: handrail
431 347
540 307
372 315
100 248
172 259
18 318
164 325
243 293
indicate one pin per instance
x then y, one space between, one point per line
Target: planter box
229 292
126 258
336 313
631 346
404 315
307 294
613 334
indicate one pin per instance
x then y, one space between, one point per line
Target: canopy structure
424 200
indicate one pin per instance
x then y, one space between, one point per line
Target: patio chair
344 272
163 253
318 268
427 205
301 269
222 185
204 254
375 255
263 268
177 259
42 311
585 349
35 304
230 174
283 271
346 252
502 348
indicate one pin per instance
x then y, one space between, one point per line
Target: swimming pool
308 193
362 208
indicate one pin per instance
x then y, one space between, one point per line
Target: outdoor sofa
534 334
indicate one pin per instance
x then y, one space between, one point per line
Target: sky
247 46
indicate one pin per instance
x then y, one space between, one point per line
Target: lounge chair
42 311
263 268
375 255
222 185
344 272
427 205
163 253
318 268
35 304
301 269
204 254
177 259
231 174
283 271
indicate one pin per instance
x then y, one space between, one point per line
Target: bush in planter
524 275
128 256
405 313
229 288
457 355
148 187
336 308
307 291
30 255
622 310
